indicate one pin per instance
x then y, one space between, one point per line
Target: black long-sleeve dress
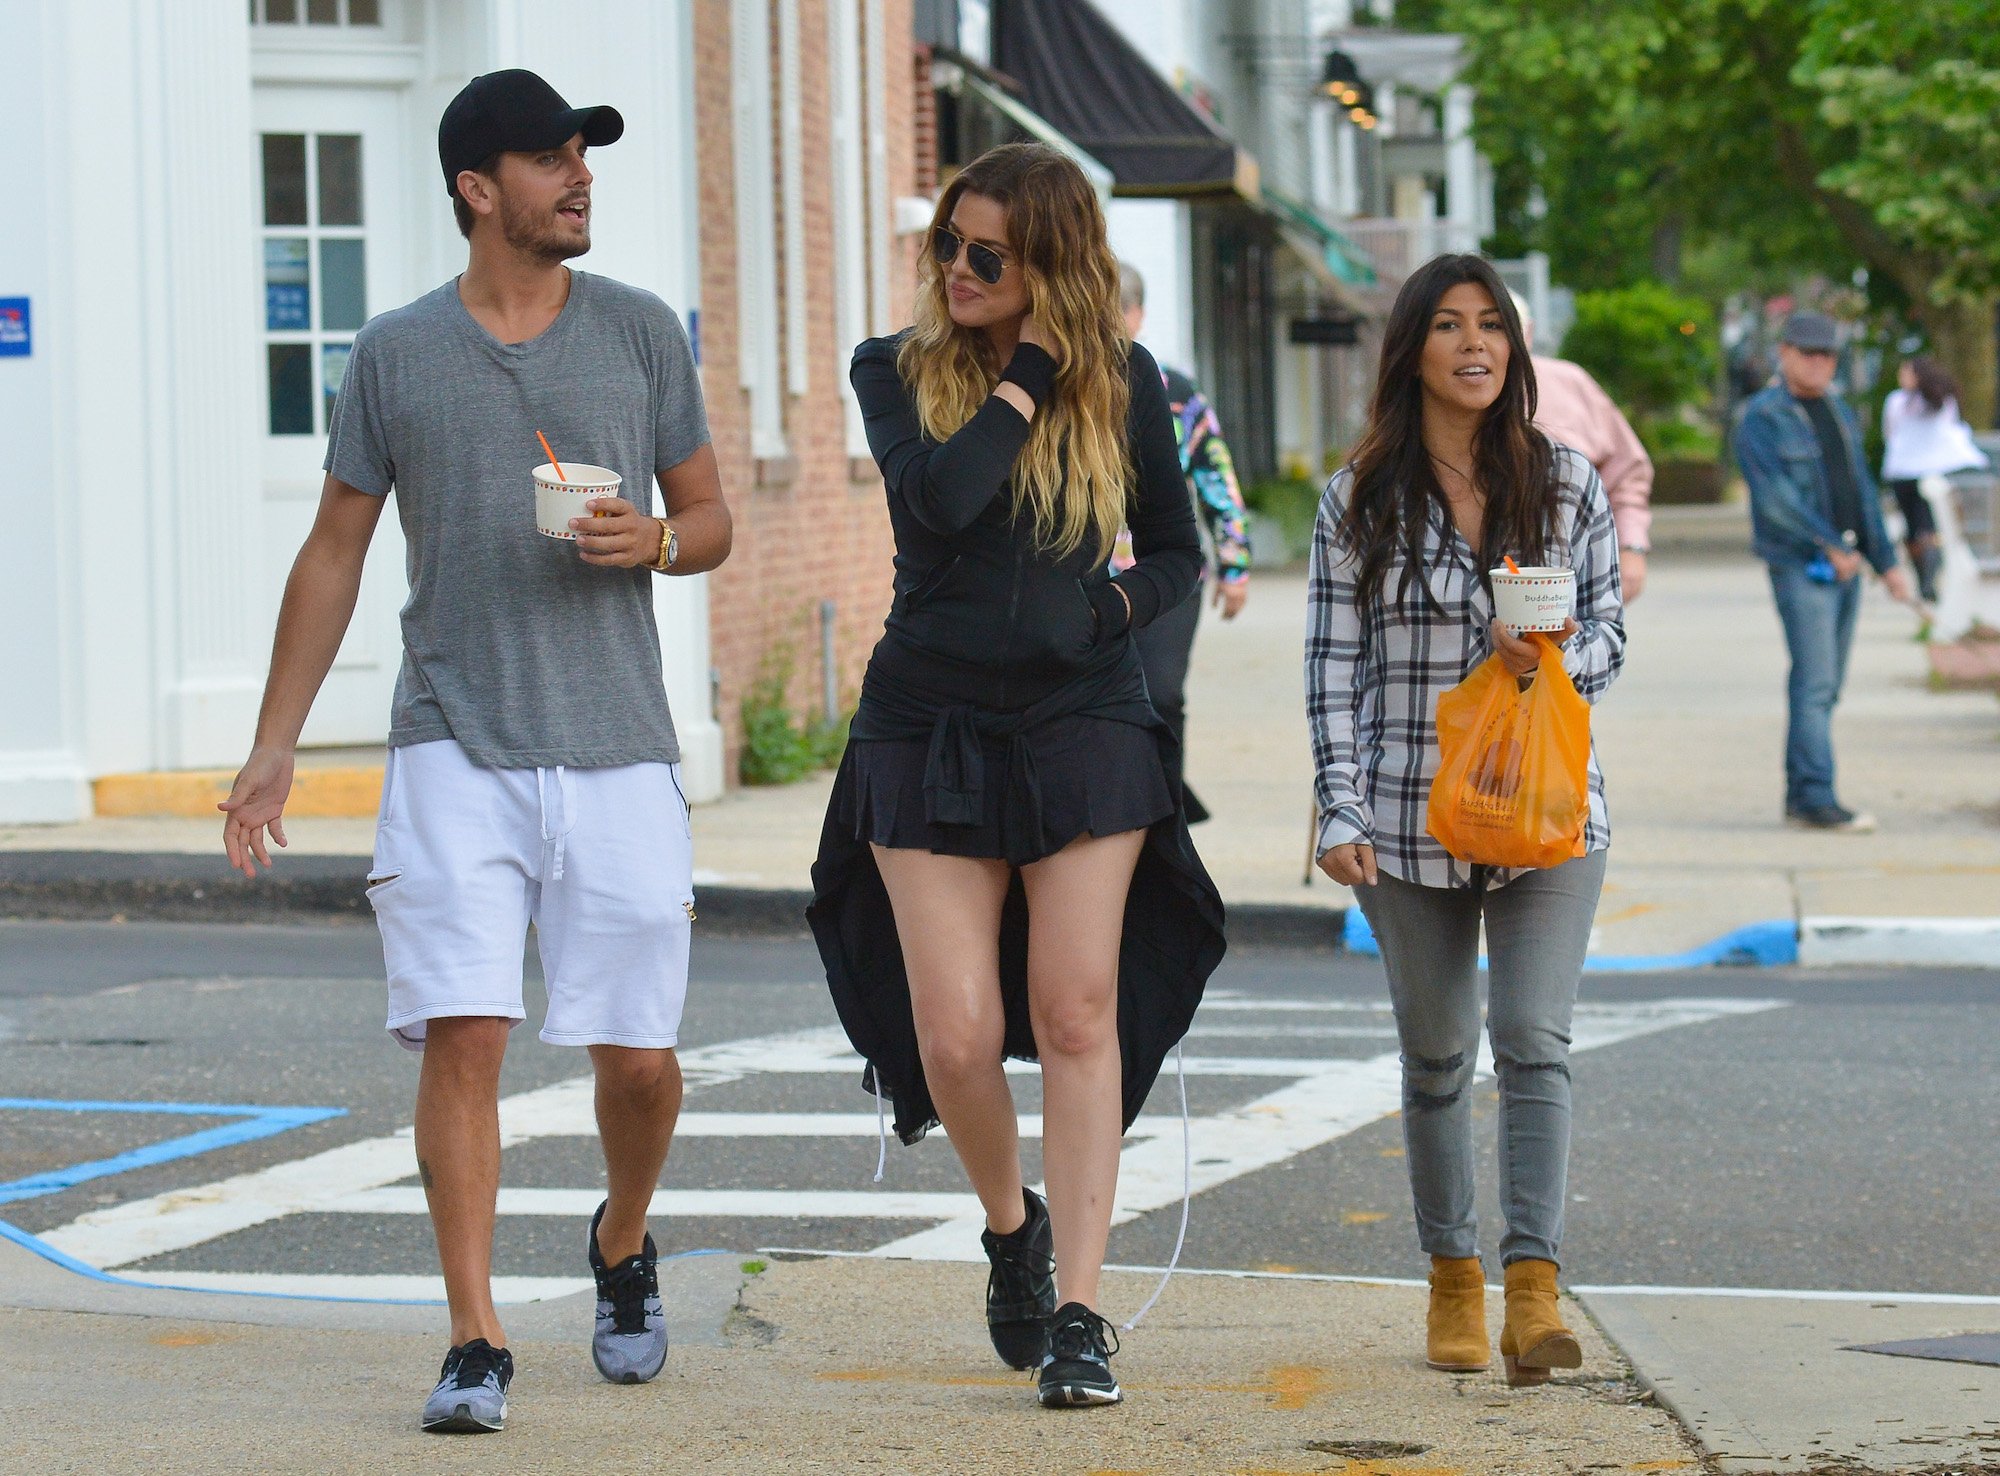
1003 714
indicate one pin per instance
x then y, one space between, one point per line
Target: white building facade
208 198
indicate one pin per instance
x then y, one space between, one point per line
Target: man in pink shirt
1574 409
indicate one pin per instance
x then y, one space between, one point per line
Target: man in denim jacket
1816 520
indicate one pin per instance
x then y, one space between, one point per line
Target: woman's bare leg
1076 916
948 920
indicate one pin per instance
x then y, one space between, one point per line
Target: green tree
1651 348
1811 135
1917 89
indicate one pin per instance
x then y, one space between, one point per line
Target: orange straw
1508 559
558 465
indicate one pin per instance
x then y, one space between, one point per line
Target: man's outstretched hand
257 803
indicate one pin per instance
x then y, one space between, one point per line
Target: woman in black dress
1005 869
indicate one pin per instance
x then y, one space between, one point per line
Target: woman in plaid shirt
1451 477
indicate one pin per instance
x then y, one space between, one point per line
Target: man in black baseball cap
532 669
512 112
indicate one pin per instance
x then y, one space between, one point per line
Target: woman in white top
1923 436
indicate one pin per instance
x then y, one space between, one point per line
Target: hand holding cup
616 535
1521 654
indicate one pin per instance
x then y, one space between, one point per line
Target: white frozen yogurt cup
558 499
1534 599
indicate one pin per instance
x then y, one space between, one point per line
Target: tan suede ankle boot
1533 1339
1455 1331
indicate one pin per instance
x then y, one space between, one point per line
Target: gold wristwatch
670 548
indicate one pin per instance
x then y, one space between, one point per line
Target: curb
183 887
1811 942
1761 945
1953 942
174 887
332 792
177 887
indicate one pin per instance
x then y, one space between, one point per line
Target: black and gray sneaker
471 1395
1830 817
1021 1288
1076 1371
630 1343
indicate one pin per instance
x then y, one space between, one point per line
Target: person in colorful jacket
1166 645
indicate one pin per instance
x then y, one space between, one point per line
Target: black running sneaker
1076 1371
629 1345
1830 817
471 1395
1021 1289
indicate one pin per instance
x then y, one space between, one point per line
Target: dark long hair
1934 382
1395 486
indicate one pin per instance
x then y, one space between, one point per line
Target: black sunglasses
986 263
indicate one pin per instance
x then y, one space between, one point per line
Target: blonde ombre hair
1074 473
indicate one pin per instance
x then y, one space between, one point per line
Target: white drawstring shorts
599 860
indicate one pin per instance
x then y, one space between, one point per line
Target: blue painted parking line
1758 945
70 1263
254 1123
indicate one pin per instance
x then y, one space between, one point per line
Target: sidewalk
1690 739
829 1365
1771 1382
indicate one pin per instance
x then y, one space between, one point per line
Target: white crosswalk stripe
1308 1101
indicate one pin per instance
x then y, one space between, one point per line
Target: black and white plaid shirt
1374 675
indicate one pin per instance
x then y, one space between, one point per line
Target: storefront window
316 12
315 273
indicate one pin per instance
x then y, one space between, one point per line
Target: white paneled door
332 243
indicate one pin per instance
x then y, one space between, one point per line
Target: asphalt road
1773 1128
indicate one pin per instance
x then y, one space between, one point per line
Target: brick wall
923 132
812 526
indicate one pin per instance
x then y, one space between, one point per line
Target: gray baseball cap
1815 333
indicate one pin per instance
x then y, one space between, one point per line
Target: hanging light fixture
1340 77
1361 107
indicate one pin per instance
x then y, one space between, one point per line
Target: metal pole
829 669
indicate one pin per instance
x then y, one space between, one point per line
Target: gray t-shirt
513 645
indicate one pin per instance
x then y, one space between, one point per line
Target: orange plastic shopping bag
1513 781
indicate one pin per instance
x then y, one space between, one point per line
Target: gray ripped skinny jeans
1537 928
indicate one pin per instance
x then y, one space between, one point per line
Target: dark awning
1077 70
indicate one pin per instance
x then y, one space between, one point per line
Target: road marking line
139 1229
1227 1001
1942 1299
507 1290
808 1125
1340 1098
680 1204
254 1123
853 1255
1945 1299
1290 1031
790 1063
1330 1099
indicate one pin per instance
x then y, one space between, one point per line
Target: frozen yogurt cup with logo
1533 599
560 498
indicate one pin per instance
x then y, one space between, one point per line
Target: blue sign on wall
17 336
287 307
